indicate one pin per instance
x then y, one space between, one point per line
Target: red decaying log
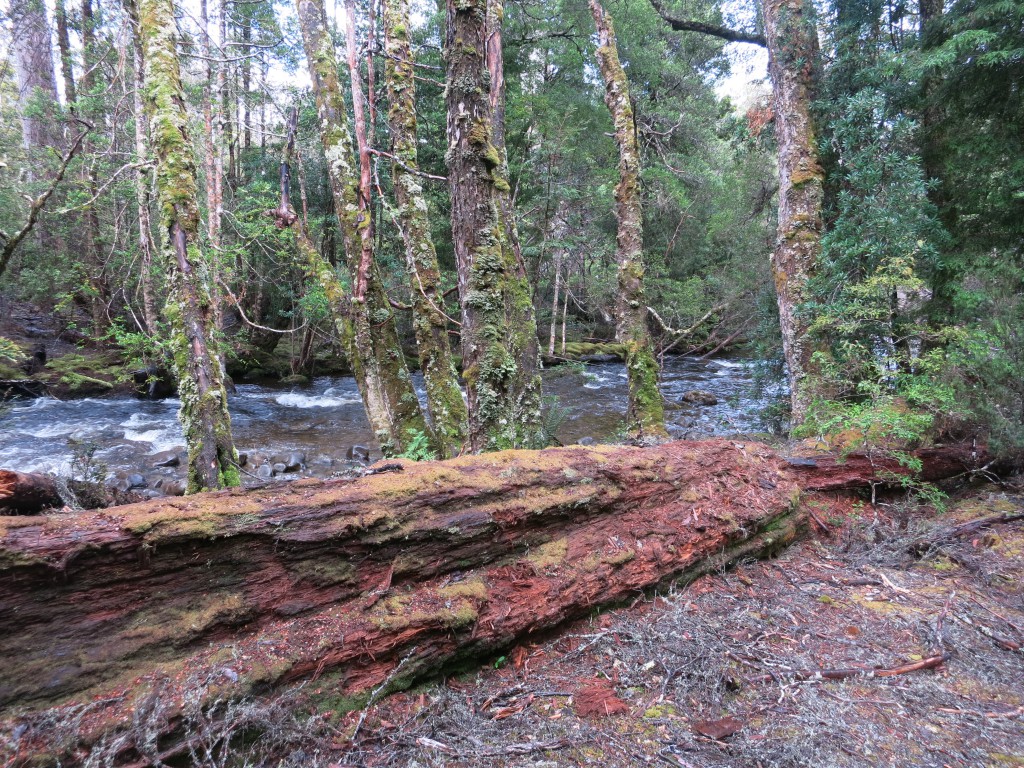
832 472
387 578
22 493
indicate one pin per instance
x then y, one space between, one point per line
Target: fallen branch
845 674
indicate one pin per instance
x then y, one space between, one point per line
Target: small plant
418 448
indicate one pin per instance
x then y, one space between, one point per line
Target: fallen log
380 580
22 493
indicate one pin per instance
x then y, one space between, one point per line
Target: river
322 421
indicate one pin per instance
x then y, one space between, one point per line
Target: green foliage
418 447
10 351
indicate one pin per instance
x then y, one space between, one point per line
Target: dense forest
473 223
477 190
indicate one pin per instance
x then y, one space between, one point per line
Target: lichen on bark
645 415
444 397
793 60
212 461
374 349
499 330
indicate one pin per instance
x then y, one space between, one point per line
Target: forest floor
921 622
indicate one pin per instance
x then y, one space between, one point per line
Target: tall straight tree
794 58
444 397
645 415
374 349
212 461
499 330
33 65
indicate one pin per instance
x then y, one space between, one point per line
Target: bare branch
714 30
11 242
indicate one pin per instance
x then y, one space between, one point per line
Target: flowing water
120 435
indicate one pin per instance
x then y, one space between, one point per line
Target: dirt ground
722 672
891 637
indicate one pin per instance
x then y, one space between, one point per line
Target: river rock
699 397
586 441
599 358
292 461
358 453
165 459
174 487
295 379
135 480
243 458
119 484
278 468
265 472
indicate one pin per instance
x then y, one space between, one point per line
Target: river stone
295 379
699 397
358 453
243 458
278 468
135 480
607 358
174 487
586 441
292 461
119 484
265 472
165 459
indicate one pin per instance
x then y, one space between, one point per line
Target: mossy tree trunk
212 462
793 60
142 186
499 328
645 415
444 397
374 349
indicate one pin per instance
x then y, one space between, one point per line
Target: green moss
549 554
474 588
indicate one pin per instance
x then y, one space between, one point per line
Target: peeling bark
645 412
499 328
189 308
416 566
374 349
444 396
793 60
22 493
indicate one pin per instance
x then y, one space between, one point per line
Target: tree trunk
386 578
147 246
499 329
66 59
189 309
374 349
645 412
793 61
444 396
36 80
22 493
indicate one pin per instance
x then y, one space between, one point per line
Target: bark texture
441 559
645 414
444 396
22 493
793 59
499 329
383 579
189 309
374 349
36 79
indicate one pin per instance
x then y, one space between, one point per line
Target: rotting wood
22 493
236 591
